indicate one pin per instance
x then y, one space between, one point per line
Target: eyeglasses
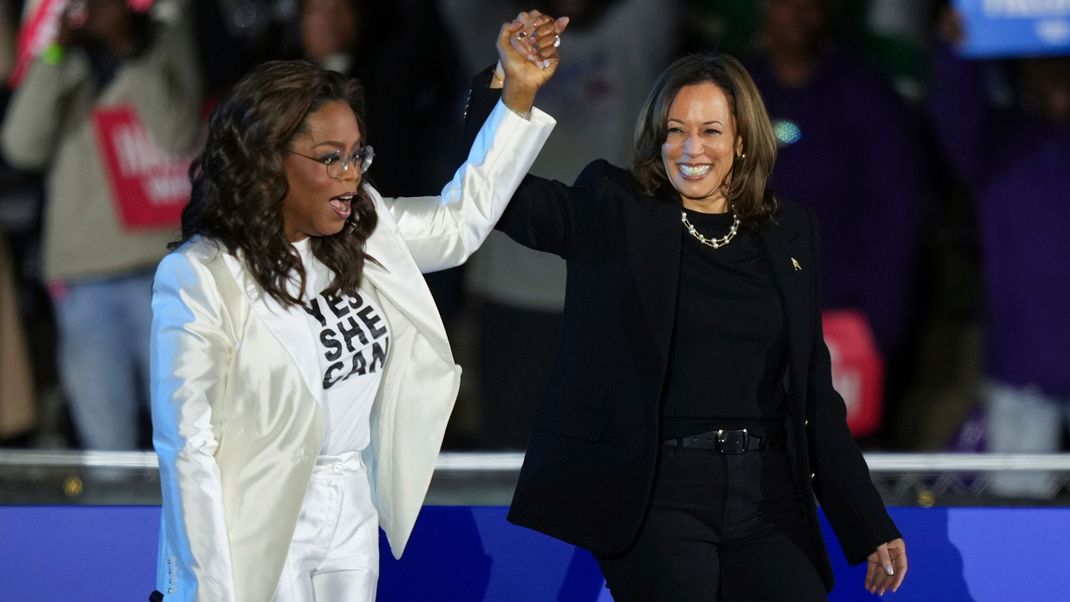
338 163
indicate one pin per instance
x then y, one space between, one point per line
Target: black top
729 344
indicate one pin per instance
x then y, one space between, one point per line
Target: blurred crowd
939 183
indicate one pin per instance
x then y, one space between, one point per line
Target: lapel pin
795 264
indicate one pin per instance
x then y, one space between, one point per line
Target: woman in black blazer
691 417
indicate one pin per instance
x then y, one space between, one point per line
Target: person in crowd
18 405
301 376
368 40
518 293
851 150
691 417
98 267
1014 159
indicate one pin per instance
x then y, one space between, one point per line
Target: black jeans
720 528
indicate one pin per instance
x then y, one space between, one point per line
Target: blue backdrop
1015 27
458 554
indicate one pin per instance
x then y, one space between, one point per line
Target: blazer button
299 455
806 423
812 475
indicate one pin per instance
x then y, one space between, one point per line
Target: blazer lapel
402 283
794 279
653 242
293 335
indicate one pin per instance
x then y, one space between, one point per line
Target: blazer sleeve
570 221
545 215
190 350
443 231
841 478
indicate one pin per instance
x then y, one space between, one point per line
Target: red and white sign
39 26
857 368
150 187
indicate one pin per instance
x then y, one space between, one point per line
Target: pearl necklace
714 243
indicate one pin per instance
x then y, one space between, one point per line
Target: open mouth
342 204
694 172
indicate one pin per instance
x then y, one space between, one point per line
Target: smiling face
700 147
317 204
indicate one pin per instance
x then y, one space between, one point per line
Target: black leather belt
721 441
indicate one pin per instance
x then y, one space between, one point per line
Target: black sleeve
545 215
481 101
841 478
570 221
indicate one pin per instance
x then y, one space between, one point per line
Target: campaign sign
150 187
1015 27
857 368
39 27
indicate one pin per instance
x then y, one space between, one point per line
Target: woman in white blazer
301 376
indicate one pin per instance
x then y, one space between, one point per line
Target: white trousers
334 554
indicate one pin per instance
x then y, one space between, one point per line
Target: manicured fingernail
888 569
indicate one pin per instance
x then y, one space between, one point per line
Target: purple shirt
851 150
1018 167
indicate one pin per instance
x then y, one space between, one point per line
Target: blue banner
1015 27
471 554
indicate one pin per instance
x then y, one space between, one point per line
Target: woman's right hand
887 567
528 57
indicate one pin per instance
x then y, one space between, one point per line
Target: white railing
510 461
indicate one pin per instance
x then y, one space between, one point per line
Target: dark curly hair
747 193
239 182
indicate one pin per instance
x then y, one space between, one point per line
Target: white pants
334 555
1026 421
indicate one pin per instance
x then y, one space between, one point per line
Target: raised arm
171 107
443 231
37 112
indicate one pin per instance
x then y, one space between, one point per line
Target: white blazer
237 416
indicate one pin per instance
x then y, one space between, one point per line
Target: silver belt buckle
732 442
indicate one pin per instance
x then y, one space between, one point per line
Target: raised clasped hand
528 53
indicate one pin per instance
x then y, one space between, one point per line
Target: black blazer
588 473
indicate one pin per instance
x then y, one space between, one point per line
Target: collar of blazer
404 297
399 280
653 235
787 247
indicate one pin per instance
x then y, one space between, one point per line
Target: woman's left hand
887 567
